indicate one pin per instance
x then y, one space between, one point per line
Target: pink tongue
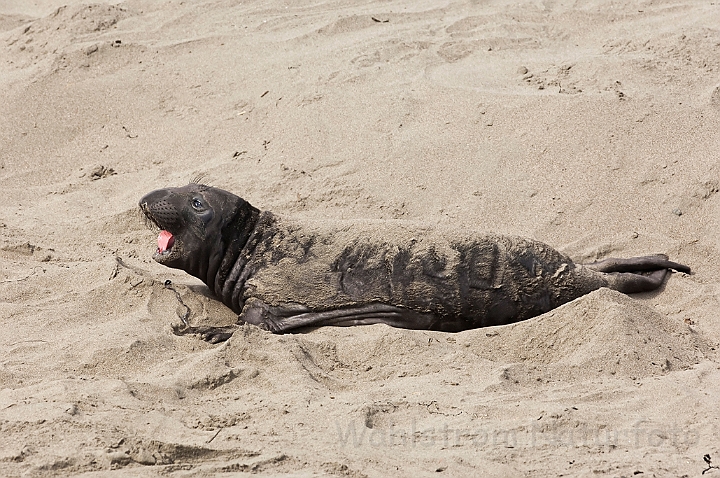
165 241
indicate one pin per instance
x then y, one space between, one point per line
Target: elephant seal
282 274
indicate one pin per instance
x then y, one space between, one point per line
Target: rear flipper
637 264
636 274
631 283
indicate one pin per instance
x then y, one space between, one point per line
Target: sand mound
603 333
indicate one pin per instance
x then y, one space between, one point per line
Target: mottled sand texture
592 126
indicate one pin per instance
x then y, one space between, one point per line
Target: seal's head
197 222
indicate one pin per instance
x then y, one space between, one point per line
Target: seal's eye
197 204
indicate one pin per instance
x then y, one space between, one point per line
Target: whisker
198 178
149 223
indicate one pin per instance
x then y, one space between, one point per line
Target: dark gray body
282 274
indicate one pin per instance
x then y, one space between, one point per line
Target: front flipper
214 335
291 317
284 319
255 312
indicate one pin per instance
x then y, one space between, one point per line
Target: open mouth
165 242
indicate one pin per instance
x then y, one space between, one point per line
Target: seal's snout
160 209
157 206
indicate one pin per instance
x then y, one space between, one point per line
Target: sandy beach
593 126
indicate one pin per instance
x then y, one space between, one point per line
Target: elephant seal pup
282 274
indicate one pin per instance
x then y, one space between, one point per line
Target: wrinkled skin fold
282 275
